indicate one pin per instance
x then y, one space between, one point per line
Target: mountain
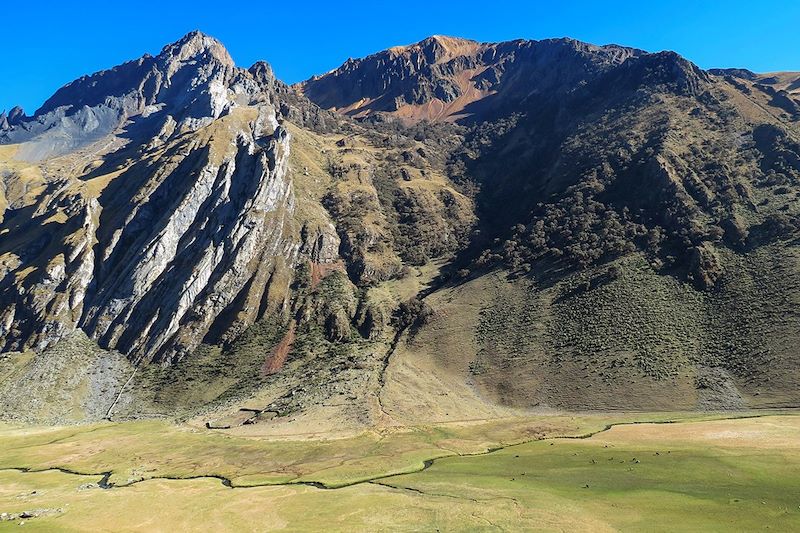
451 79
172 204
600 193
442 230
134 194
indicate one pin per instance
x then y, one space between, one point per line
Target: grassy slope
702 475
68 383
20 181
641 341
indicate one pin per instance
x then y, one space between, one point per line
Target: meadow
593 472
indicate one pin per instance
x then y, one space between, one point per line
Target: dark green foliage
579 179
579 229
413 313
302 277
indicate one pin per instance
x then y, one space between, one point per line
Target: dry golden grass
658 477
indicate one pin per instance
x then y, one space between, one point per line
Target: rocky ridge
451 79
182 209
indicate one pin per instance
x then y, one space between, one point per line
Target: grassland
541 473
700 476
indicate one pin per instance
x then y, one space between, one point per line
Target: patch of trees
413 314
577 229
631 178
428 226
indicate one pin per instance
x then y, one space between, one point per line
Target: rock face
176 236
226 234
451 79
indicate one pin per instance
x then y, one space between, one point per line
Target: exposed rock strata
189 238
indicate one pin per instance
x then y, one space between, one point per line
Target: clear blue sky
49 43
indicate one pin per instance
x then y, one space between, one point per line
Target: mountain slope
603 186
530 224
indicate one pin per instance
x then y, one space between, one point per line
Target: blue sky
49 43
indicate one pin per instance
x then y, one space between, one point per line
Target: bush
414 313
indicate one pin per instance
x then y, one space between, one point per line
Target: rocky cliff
153 206
154 209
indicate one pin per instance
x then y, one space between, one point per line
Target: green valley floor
587 472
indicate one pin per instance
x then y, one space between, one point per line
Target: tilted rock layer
178 222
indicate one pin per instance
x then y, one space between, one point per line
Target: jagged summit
439 48
192 80
195 39
453 79
189 63
147 75
194 44
12 118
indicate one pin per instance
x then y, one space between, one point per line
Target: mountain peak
443 78
437 48
196 43
190 80
446 41
263 73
